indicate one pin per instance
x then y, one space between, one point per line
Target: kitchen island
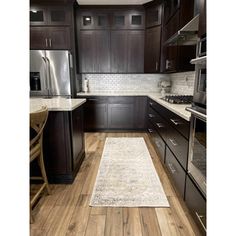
63 139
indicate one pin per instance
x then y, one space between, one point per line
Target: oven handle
196 113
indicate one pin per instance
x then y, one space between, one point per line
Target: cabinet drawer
154 116
96 100
196 204
178 145
120 100
157 141
176 121
176 171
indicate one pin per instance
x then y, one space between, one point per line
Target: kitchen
123 73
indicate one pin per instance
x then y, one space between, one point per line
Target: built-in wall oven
197 163
197 148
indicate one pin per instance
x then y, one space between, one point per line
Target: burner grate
178 99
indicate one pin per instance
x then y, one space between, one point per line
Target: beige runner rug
127 176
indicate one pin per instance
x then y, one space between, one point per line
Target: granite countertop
178 109
55 104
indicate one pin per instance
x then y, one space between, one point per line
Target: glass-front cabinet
50 15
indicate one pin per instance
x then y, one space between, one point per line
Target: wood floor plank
79 221
114 222
167 222
149 222
131 222
98 211
96 225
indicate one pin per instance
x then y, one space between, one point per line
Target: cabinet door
202 19
60 15
119 51
87 20
87 51
152 49
38 15
136 19
196 203
119 20
135 51
176 171
171 57
59 37
153 16
140 112
38 38
120 116
102 40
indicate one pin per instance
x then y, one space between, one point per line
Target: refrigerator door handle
49 75
70 60
45 63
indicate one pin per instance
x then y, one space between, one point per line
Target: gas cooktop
178 99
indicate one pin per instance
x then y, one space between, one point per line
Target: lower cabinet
196 204
120 116
176 171
115 113
63 145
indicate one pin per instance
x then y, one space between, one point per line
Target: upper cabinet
50 15
202 19
110 41
154 15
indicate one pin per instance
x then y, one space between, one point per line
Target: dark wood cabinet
119 49
196 204
94 51
120 116
135 51
50 38
50 15
152 50
63 145
154 15
95 113
202 19
176 171
115 113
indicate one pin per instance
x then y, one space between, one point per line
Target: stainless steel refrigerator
50 73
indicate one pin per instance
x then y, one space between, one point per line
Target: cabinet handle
160 125
50 43
176 121
156 65
150 103
151 115
150 130
173 142
200 219
46 40
171 167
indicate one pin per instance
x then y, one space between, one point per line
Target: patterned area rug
127 176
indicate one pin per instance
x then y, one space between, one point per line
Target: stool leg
44 175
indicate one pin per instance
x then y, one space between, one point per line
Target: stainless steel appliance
178 99
198 145
197 148
50 73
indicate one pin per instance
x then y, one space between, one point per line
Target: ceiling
112 2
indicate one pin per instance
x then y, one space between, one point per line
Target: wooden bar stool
37 123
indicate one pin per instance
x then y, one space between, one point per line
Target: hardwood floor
66 211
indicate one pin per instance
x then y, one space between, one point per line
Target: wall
182 83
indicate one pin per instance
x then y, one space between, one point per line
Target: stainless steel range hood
187 35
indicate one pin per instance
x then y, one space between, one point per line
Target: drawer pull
160 125
150 130
200 219
151 115
150 103
171 167
173 142
176 121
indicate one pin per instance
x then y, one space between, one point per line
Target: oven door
197 148
199 95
